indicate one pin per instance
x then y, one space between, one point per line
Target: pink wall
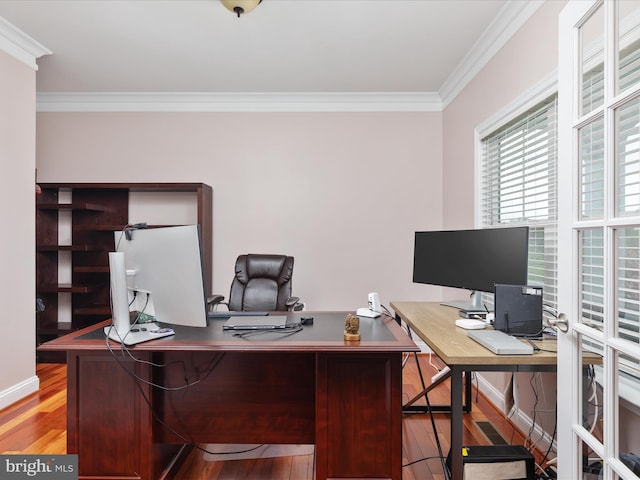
17 207
342 192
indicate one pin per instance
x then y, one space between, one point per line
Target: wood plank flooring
37 424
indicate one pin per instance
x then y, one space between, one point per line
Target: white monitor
164 271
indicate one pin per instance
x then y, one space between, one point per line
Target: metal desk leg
456 422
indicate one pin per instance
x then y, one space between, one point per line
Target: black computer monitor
475 260
164 271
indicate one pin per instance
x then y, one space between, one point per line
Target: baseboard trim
19 391
492 394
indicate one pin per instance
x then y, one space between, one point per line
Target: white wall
17 207
342 192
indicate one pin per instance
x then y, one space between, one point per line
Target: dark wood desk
435 324
308 388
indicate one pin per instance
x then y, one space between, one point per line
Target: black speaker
518 310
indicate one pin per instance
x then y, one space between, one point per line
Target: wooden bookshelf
91 212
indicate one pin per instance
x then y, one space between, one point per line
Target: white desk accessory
471 323
373 310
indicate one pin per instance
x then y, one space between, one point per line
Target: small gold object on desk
352 328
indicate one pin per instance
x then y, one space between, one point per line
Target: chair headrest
275 267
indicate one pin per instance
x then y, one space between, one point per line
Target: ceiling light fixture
240 6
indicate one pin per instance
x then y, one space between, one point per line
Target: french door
599 239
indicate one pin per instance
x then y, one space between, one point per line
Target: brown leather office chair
261 283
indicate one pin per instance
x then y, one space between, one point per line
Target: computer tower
518 310
496 462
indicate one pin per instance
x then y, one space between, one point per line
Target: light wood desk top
435 324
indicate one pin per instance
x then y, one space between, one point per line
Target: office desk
435 324
308 388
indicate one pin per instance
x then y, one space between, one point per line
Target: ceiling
283 46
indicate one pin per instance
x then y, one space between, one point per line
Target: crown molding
20 45
512 16
238 102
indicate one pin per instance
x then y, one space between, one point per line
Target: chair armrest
293 303
214 300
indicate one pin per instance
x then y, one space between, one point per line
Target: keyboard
500 343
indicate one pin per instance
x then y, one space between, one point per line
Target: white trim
238 102
538 92
494 395
18 391
508 21
20 45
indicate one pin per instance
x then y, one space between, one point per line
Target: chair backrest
261 283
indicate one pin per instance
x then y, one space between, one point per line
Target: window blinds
519 187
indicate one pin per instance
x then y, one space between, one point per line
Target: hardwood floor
37 424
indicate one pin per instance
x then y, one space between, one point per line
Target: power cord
284 332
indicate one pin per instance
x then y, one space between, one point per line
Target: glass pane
628 386
628 158
591 464
628 283
592 59
592 387
592 170
543 257
591 408
628 45
592 277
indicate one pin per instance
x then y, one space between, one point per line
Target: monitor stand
137 333
468 309
121 330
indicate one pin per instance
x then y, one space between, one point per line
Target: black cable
387 311
124 349
420 460
534 410
284 332
553 436
184 439
140 381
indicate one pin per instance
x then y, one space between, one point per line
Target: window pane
627 391
519 171
592 170
591 388
592 56
628 45
628 284
543 260
592 277
628 158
